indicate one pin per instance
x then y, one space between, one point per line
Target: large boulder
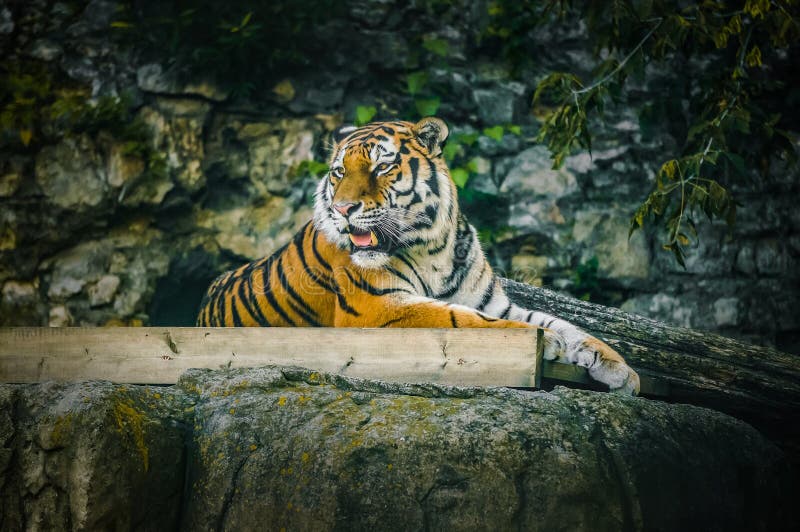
273 448
90 456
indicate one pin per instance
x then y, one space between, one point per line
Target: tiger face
388 189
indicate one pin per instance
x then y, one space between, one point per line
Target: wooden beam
156 355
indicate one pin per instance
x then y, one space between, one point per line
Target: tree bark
757 384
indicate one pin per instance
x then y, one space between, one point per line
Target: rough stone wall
89 237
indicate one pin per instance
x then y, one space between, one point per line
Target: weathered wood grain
154 355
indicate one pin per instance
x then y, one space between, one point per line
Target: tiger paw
555 347
619 377
607 366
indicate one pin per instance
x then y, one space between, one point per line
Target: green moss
131 421
61 429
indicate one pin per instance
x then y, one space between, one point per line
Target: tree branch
757 384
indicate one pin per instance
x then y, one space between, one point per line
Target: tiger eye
337 173
383 168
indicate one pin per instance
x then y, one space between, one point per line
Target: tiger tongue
363 240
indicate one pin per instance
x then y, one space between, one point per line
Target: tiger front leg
421 312
601 360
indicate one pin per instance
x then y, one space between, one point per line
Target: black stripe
425 287
219 307
325 282
432 181
202 314
292 293
413 165
457 276
263 266
207 320
390 322
487 296
529 316
243 300
415 242
372 290
345 307
271 298
393 271
552 321
316 276
277 308
504 315
254 307
298 244
237 320
430 211
437 250
302 314
484 317
453 319
319 258
449 292
410 190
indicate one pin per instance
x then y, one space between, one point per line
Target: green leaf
677 252
312 167
451 150
737 162
416 81
495 133
436 46
25 135
427 106
718 195
460 176
365 113
514 130
468 138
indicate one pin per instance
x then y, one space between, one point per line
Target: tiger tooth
373 239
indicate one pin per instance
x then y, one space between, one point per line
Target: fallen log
757 384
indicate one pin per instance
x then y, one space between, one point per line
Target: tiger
387 246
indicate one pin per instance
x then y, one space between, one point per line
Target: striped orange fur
388 247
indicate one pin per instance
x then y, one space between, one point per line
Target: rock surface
90 456
290 448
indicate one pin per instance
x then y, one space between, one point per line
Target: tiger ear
341 133
431 133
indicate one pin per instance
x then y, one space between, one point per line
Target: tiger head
388 189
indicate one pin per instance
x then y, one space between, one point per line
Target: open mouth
362 238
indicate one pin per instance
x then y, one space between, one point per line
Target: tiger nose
344 208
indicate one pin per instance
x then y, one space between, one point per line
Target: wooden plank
537 382
156 355
649 386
